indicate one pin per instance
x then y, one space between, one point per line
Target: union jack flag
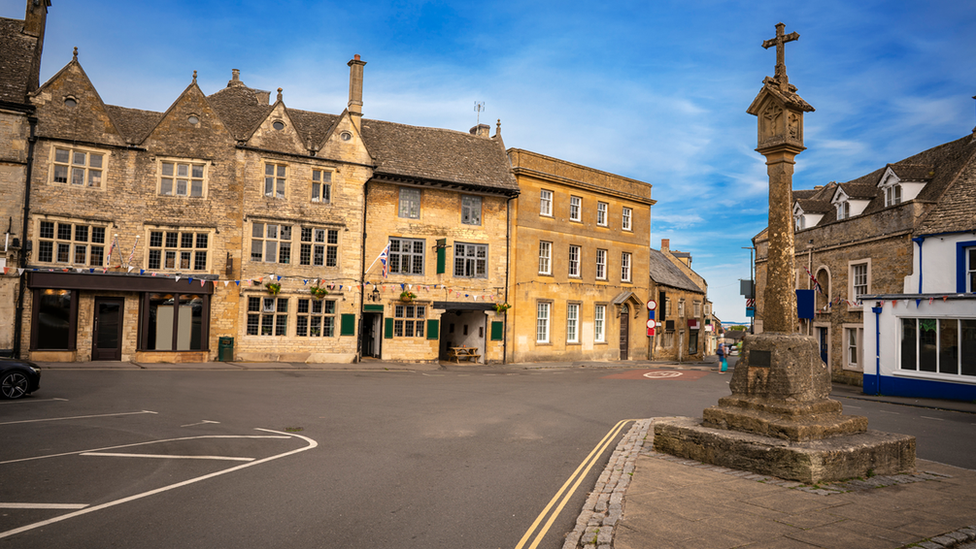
384 255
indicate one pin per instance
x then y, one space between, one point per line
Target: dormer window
800 225
892 195
843 210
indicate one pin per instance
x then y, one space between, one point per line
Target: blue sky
653 90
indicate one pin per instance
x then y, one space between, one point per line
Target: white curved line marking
311 444
78 417
661 375
164 456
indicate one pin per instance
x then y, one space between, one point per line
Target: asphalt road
446 459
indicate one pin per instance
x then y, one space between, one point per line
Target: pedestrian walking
723 363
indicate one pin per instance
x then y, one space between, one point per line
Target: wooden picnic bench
464 353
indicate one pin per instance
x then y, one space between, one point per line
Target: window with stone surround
542 311
575 208
409 320
409 205
572 322
574 261
601 264
271 243
599 324
319 247
625 266
178 250
470 260
853 337
601 213
407 256
267 316
545 258
545 203
182 178
71 243
626 219
322 186
471 210
78 167
274 180
315 318
859 280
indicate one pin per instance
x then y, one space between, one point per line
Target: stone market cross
780 43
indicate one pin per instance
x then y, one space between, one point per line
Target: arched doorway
624 331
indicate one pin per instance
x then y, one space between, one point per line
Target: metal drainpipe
19 313
919 240
508 268
877 348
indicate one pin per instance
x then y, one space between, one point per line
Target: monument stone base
780 421
834 458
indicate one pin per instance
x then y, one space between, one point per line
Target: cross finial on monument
780 43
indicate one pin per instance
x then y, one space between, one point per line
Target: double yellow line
575 479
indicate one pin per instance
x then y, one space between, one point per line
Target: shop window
315 318
174 322
54 320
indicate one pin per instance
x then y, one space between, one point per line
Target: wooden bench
464 353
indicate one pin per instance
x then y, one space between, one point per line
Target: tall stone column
779 296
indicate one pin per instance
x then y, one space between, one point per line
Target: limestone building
578 282
862 238
152 235
683 314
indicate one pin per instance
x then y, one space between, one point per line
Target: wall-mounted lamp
375 295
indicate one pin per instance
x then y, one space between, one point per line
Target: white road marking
78 417
311 444
662 375
164 456
933 418
142 444
204 422
25 401
43 505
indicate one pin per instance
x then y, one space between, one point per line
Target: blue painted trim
961 265
919 240
919 388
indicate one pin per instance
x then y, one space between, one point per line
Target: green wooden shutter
441 260
433 329
348 325
388 332
497 331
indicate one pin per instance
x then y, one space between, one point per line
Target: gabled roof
134 124
812 206
663 272
17 52
241 109
914 173
859 191
436 154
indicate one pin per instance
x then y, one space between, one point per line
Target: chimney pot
665 244
481 130
355 105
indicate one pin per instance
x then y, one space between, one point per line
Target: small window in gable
843 210
892 195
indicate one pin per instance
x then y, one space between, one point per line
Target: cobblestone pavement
648 499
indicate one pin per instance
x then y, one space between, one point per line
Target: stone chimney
356 90
666 245
235 78
481 130
35 21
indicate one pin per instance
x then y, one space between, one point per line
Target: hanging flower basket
273 288
318 292
501 308
407 296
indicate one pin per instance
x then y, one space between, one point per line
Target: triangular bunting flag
237 282
178 278
202 283
226 282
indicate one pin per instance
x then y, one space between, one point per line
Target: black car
18 377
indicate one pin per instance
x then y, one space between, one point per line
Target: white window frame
92 176
853 283
969 255
188 248
543 316
601 264
574 260
274 236
575 208
545 257
275 180
856 347
181 171
600 323
602 213
625 267
892 195
267 316
321 186
470 260
572 322
627 219
843 210
545 202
